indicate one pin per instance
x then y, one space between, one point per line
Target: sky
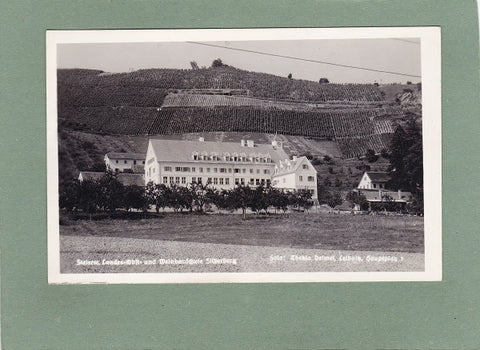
307 59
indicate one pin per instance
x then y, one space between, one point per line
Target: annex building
373 186
119 162
225 165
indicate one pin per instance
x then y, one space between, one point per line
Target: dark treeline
108 195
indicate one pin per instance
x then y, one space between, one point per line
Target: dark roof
123 155
125 178
377 176
90 175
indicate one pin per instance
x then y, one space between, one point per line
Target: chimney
276 144
294 158
250 143
243 142
201 139
399 194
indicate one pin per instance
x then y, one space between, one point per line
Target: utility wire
407 41
304 59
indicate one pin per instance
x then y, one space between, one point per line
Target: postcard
244 155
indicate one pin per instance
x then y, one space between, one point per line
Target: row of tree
108 194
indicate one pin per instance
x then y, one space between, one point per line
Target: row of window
309 178
300 178
126 162
233 158
182 180
216 170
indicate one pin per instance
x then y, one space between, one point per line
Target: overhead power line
304 59
407 41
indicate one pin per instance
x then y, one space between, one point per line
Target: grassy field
294 230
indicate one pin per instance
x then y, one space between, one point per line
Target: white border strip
431 97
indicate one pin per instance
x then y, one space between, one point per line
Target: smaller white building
295 174
373 187
372 180
119 162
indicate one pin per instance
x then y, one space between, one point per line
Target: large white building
226 165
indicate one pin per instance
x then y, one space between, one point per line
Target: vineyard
355 130
210 100
149 87
248 119
173 101
111 120
352 147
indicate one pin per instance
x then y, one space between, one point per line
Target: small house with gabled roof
373 186
373 180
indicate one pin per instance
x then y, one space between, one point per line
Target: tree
157 195
371 156
301 199
88 196
384 153
338 182
323 81
110 191
217 63
335 199
406 159
289 75
239 198
327 182
358 198
194 65
201 196
68 195
278 199
134 198
174 198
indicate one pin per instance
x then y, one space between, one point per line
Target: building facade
373 180
125 162
224 165
373 187
294 174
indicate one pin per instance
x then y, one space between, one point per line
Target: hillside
357 117
147 88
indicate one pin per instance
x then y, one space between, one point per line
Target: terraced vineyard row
210 100
351 124
383 126
352 147
196 119
112 120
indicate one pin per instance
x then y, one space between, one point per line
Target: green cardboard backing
408 315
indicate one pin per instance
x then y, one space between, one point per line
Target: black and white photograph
260 155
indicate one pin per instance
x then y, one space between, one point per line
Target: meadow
293 230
